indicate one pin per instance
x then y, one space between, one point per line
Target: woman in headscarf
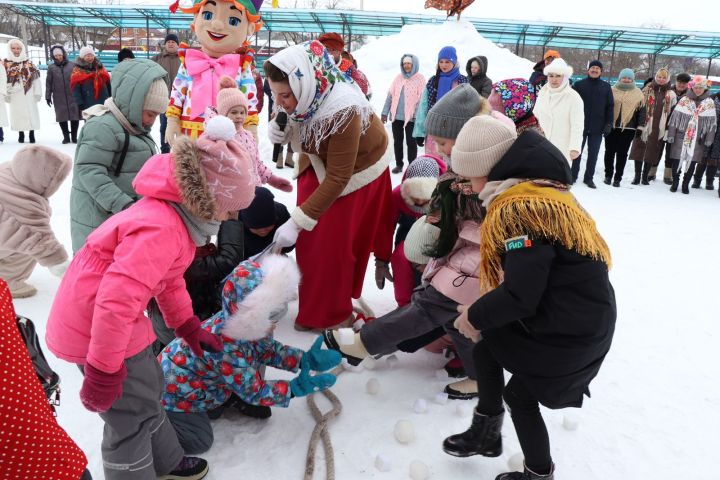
24 91
344 187
58 94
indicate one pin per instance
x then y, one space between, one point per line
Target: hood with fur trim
420 187
253 292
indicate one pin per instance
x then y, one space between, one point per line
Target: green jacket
98 191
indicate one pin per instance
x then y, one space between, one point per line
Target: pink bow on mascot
221 26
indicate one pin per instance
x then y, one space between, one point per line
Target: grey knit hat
447 116
480 145
421 237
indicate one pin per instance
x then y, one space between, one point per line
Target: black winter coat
551 321
255 244
480 82
538 77
599 104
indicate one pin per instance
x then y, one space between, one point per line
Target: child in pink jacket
97 319
233 104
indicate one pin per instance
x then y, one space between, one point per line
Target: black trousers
593 141
399 130
524 407
708 170
617 146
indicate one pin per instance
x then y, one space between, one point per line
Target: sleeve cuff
303 220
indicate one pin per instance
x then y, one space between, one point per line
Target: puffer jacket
480 82
140 253
101 184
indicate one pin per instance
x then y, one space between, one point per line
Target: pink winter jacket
456 275
137 254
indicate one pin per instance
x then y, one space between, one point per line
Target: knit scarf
22 72
542 210
327 98
446 81
696 117
109 106
200 230
93 72
655 93
412 89
627 102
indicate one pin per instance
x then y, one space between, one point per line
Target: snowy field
656 402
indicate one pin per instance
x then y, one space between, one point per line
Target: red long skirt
333 257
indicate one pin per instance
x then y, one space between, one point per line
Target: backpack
48 378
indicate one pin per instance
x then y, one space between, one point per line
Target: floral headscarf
518 97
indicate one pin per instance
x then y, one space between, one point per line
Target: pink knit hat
228 168
229 96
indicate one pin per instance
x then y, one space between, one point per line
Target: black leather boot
607 181
686 182
710 178
675 181
32 136
65 132
74 124
482 438
636 180
21 137
527 474
645 178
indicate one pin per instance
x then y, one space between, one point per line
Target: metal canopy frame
508 32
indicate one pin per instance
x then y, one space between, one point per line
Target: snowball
351 368
570 422
516 463
369 363
372 386
420 405
392 361
383 463
346 336
441 398
463 409
358 325
404 431
220 128
418 470
441 374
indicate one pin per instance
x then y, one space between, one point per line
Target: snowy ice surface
654 407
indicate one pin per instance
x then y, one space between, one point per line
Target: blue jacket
599 104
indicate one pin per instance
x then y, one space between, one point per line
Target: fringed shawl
696 120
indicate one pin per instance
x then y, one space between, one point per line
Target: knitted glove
59 269
322 360
276 135
420 141
172 130
280 183
197 338
99 389
382 272
305 384
287 234
49 102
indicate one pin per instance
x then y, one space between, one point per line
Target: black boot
675 181
646 174
710 178
527 474
482 438
191 468
65 132
74 124
607 181
686 183
2 135
32 136
397 169
636 180
254 411
21 137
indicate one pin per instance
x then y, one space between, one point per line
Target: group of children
479 212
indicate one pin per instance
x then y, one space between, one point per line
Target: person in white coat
3 112
560 110
24 91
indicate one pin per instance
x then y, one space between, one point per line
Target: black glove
49 102
420 141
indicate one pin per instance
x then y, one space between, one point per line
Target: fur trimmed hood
191 179
254 292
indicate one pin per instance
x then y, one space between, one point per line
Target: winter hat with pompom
421 238
229 96
421 179
481 144
228 168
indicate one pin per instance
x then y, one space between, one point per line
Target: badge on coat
517 243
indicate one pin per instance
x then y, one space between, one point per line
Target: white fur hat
421 237
559 67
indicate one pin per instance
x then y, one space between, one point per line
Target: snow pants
194 431
334 255
139 443
427 310
524 408
15 268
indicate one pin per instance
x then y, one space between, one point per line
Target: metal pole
147 36
612 59
47 47
710 60
72 37
652 66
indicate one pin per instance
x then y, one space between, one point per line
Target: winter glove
280 183
420 141
382 272
276 135
59 269
607 129
197 338
49 102
287 234
305 384
322 360
383 118
99 389
172 130
462 324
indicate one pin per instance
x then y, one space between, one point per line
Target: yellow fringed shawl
541 212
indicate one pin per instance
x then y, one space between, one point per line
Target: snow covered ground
654 410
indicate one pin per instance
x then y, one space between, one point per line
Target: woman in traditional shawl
691 132
24 91
344 185
89 82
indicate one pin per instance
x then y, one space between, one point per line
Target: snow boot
482 438
652 174
667 176
462 390
23 290
686 183
455 369
710 178
279 160
253 411
675 182
32 136
289 162
74 125
65 132
636 180
696 183
527 475
607 181
190 468
21 137
217 412
647 172
616 183
354 353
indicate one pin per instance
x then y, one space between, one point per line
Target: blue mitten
322 360
305 384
